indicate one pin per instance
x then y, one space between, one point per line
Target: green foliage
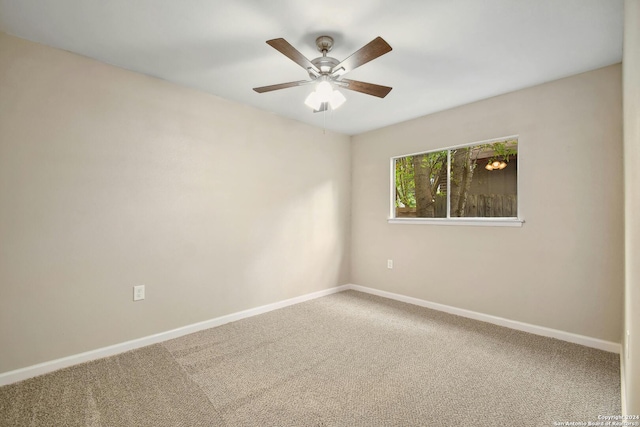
437 163
503 150
405 182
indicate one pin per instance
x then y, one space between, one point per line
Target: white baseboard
513 324
53 365
43 368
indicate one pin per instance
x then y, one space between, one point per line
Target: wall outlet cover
138 292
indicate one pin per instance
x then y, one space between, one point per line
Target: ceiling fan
327 72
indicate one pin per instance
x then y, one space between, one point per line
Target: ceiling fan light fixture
323 93
315 99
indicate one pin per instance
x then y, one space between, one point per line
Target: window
477 181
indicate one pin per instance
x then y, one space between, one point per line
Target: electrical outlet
138 292
389 264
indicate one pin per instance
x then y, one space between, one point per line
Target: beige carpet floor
348 359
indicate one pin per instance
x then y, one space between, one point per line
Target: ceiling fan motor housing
325 64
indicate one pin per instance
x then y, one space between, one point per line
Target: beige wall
631 86
564 268
110 179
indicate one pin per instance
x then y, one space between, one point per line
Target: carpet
348 359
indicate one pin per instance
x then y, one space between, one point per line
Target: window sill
482 222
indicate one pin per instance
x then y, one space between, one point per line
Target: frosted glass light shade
337 99
313 101
324 91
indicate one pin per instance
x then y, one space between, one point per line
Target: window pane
421 185
484 180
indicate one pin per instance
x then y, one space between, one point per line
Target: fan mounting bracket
324 44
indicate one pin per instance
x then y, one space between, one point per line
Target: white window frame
473 221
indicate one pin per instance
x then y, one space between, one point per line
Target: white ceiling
445 52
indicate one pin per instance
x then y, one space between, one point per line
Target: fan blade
281 86
285 48
323 107
375 48
368 88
